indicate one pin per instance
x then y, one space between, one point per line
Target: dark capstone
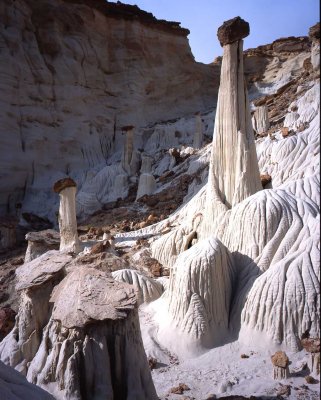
63 184
314 31
233 30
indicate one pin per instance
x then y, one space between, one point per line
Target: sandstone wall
72 73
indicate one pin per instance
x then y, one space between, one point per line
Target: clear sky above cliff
269 20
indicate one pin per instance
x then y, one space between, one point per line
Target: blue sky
269 20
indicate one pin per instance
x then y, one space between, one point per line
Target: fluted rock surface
200 292
147 289
72 74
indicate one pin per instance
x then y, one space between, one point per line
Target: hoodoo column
234 166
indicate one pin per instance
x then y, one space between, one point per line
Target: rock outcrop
41 242
231 179
71 82
87 344
15 386
69 241
200 292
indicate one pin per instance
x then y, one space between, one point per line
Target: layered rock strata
71 82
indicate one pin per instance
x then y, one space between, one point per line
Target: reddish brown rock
312 345
63 184
265 179
233 30
285 132
180 389
280 359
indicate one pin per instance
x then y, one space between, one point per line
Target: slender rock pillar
69 241
130 158
147 182
234 172
260 120
198 134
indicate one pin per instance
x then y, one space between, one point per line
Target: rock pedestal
41 242
312 346
234 173
260 120
280 363
69 241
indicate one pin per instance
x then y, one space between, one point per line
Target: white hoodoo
67 219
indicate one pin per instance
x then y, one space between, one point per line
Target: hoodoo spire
234 173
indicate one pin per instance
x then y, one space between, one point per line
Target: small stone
311 345
152 362
309 379
179 389
285 390
285 132
280 359
265 179
233 30
244 356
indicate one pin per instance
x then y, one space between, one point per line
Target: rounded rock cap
63 184
127 128
233 30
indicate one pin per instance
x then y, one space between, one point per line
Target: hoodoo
234 173
67 215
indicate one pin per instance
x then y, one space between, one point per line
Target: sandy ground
222 371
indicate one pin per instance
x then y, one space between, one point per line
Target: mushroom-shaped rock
95 348
69 241
147 288
233 30
234 172
36 281
41 242
280 363
312 346
95 297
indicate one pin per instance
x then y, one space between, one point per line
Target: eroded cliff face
72 74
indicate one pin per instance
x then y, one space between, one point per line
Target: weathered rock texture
280 363
200 292
72 74
87 344
233 174
147 289
41 242
272 235
15 386
260 120
69 241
